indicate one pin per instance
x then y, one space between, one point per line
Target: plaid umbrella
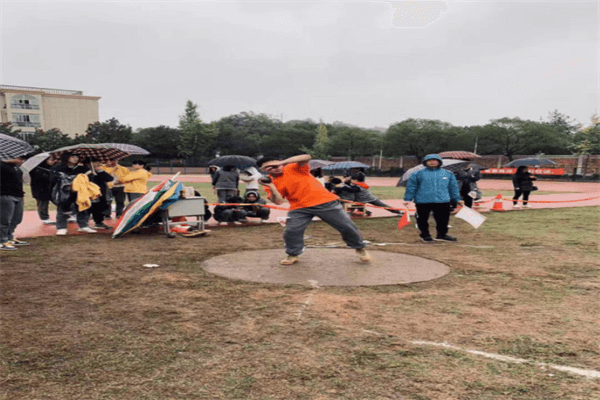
102 152
11 147
129 148
459 155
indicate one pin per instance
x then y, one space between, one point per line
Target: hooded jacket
136 181
432 185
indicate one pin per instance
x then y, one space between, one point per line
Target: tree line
253 134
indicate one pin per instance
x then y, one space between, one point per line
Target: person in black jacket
226 214
101 204
11 202
255 210
69 166
523 184
41 189
466 179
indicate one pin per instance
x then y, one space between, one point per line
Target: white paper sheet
471 216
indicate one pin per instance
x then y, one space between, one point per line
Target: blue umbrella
530 162
347 165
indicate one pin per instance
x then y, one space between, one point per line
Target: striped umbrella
102 152
129 148
11 147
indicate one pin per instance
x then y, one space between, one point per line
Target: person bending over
255 210
291 179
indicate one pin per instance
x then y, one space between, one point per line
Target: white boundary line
588 373
314 285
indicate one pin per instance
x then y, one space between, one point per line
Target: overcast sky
364 63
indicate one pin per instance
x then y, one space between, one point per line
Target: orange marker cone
498 204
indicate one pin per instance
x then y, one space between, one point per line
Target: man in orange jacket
291 179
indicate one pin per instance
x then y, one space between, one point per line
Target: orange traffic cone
498 204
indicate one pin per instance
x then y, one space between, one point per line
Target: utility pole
380 157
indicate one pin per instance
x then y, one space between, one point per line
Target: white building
28 108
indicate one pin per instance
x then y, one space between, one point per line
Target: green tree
419 137
161 141
197 139
587 139
320 145
110 131
244 133
352 141
8 129
49 140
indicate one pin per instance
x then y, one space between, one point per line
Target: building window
31 120
24 101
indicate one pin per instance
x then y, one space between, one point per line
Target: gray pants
42 209
63 212
223 194
11 215
332 213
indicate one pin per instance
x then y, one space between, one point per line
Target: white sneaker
516 207
61 232
526 206
237 223
72 219
264 220
223 223
48 222
87 229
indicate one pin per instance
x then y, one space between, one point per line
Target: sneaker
237 222
289 260
244 221
446 238
223 223
516 206
7 246
48 222
101 226
72 219
61 232
17 242
87 229
264 220
427 239
363 255
526 206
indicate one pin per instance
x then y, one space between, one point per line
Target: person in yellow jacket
117 190
136 182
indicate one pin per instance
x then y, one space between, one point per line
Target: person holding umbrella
523 184
66 171
291 179
41 190
433 189
225 182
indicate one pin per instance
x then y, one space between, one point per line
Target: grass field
83 319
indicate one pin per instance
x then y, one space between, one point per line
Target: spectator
255 210
136 182
225 182
226 214
117 191
61 180
467 181
523 184
364 195
41 189
433 189
101 204
11 202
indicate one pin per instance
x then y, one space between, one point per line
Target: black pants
467 199
518 193
97 210
262 213
441 214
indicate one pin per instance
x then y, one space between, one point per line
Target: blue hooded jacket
432 185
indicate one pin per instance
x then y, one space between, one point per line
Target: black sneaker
427 239
102 226
446 238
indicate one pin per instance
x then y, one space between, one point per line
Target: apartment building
28 108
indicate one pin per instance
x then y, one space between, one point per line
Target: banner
534 171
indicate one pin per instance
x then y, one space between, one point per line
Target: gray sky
364 63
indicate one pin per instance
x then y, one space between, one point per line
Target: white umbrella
34 161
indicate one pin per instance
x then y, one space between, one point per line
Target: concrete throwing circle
325 267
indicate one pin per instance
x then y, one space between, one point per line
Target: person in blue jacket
433 189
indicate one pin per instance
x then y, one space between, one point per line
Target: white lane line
588 373
314 285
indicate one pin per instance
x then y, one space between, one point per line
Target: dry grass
82 319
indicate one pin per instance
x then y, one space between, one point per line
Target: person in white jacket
250 178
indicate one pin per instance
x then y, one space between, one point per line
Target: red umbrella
459 155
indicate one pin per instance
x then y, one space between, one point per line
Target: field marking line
588 373
314 285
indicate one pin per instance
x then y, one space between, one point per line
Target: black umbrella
530 162
11 147
233 160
